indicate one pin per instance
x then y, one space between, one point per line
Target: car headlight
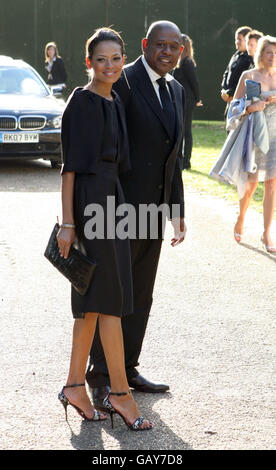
57 122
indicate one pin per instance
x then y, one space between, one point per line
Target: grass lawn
209 137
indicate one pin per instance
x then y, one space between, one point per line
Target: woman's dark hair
102 34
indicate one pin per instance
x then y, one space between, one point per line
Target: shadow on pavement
17 175
271 256
161 437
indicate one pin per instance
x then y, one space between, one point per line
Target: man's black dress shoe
141 384
98 395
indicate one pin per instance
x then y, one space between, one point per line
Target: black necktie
167 105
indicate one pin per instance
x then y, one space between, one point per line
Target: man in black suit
239 62
154 104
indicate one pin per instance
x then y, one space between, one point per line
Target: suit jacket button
160 186
149 164
167 141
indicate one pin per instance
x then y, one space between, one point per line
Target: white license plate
19 138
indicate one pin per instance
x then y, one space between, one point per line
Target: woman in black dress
95 151
186 74
54 66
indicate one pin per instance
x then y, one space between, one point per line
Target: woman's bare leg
112 340
244 204
83 334
269 203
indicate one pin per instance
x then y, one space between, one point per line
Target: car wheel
55 164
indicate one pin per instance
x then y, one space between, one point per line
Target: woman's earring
88 63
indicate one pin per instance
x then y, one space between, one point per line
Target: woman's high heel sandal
238 237
64 400
269 248
237 234
136 426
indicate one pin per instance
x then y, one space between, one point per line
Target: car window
21 82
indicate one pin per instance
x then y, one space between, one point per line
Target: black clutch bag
77 268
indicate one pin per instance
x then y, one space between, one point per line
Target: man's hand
180 230
226 97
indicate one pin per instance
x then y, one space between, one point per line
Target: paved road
211 333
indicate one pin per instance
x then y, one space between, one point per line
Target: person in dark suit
54 66
185 73
154 104
239 62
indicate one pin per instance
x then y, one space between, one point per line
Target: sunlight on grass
209 137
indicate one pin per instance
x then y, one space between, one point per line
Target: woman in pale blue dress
264 73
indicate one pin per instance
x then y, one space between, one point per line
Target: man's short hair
243 30
161 24
254 34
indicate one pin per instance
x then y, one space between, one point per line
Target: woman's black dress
95 147
186 75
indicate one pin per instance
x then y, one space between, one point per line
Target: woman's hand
199 103
257 106
271 99
65 238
